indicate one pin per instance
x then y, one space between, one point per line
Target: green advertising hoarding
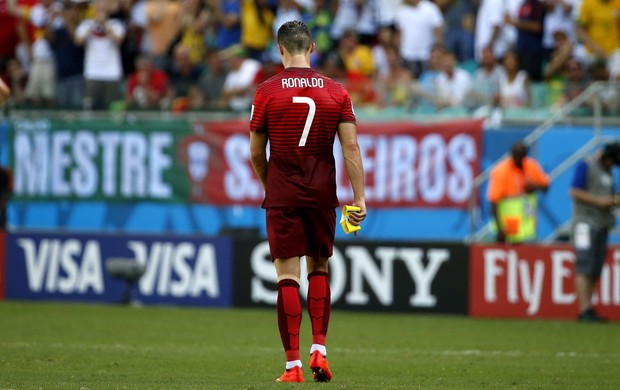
98 160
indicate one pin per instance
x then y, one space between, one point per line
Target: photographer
103 69
592 191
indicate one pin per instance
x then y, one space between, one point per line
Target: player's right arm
258 155
347 134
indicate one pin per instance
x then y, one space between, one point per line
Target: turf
73 346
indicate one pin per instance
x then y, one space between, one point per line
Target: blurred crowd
211 54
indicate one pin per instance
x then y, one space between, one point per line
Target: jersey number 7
309 118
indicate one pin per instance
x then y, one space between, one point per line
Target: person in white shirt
559 16
41 84
514 86
486 81
452 85
103 70
237 91
489 26
420 24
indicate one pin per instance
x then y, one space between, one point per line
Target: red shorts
301 231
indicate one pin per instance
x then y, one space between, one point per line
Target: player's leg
289 315
287 242
319 310
321 225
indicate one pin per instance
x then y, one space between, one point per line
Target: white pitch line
364 351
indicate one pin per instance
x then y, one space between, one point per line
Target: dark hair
612 151
295 37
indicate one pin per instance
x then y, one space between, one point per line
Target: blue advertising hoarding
180 270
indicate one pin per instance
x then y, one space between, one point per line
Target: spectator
137 32
577 80
460 20
16 80
510 10
69 58
514 86
286 10
239 83
385 41
357 58
559 17
394 85
598 28
225 17
194 19
212 78
489 29
487 79
184 76
386 12
103 70
163 25
366 25
529 46
562 51
9 32
511 192
420 25
256 27
41 84
346 14
423 90
319 23
592 192
452 84
333 67
147 86
121 10
608 96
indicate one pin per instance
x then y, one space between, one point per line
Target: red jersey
300 110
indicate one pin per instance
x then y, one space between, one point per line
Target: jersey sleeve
347 114
579 179
258 119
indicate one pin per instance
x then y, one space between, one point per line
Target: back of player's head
295 37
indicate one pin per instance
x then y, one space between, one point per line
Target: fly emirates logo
539 279
302 82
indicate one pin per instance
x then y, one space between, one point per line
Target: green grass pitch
73 346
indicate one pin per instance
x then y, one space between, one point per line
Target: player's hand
357 217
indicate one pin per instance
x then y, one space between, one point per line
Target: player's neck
297 61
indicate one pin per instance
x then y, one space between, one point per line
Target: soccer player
300 111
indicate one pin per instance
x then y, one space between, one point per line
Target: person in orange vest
510 183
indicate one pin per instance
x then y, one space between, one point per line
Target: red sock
289 317
319 305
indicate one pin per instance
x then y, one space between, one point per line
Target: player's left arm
347 134
258 155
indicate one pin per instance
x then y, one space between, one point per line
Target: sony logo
376 270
